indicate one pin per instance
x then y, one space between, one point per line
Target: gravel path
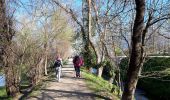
69 88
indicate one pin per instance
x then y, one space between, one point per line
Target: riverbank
155 77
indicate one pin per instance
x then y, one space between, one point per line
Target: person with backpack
58 64
78 62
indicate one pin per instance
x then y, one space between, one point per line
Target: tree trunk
45 66
135 58
12 81
46 53
6 54
2 31
100 71
38 72
46 58
12 75
87 31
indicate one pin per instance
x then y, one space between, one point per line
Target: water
140 95
2 80
93 70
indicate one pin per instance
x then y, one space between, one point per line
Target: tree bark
87 21
2 31
46 58
45 65
12 75
136 53
12 81
6 54
37 72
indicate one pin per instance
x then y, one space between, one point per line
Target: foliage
89 58
100 86
123 67
108 70
156 78
65 62
2 92
157 82
156 64
3 95
103 63
156 88
62 34
118 51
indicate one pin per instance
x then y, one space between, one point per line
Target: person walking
58 64
78 62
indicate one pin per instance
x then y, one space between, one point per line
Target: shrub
156 87
108 70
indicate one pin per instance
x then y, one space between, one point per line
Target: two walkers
77 61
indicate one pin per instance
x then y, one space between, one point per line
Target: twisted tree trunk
136 54
6 54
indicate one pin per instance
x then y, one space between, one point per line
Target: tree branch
164 36
70 12
164 17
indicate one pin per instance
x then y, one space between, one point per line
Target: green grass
2 92
100 86
3 95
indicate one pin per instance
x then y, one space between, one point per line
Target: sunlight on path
69 88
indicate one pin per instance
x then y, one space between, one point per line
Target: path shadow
4 98
26 92
45 96
37 98
78 94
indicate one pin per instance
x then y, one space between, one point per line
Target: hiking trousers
77 69
58 73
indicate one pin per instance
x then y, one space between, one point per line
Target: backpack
57 63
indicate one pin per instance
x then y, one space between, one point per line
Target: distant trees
39 44
28 47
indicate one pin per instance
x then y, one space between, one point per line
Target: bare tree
138 54
7 56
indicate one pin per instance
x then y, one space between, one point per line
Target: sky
25 7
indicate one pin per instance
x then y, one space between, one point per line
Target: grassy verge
2 92
100 86
3 95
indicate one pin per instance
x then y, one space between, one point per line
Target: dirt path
69 88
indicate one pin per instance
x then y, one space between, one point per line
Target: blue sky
24 9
